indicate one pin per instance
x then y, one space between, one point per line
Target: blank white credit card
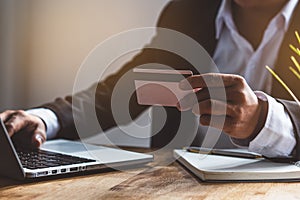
160 86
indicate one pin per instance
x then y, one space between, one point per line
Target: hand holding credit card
160 86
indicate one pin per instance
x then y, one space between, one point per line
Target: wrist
49 119
263 113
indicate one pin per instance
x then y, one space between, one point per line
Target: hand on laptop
244 114
27 129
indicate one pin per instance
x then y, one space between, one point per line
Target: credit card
160 87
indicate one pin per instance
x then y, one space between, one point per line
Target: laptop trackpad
100 153
69 147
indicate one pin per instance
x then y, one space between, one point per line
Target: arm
277 137
62 107
293 110
243 113
175 16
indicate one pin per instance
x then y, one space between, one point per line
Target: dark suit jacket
195 18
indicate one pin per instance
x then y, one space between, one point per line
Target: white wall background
43 42
13 53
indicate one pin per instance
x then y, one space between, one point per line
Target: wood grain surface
154 181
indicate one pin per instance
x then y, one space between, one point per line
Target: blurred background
44 42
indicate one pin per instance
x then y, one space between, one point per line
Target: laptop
60 156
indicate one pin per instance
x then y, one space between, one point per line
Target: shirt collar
287 12
225 16
224 10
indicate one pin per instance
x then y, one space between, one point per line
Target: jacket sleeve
294 111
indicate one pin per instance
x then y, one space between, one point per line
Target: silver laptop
61 157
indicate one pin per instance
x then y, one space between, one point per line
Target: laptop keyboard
36 159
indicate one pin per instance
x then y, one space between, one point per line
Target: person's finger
210 80
38 138
211 107
218 122
187 102
6 115
224 123
190 100
16 122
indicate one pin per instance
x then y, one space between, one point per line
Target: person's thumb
38 139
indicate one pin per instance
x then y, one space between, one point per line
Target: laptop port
83 168
74 169
54 171
42 174
63 170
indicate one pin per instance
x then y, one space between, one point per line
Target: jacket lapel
284 62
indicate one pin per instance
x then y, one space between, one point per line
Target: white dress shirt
277 136
235 55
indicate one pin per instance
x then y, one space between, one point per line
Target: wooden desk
156 181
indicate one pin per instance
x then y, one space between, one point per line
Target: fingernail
182 84
39 140
182 105
178 106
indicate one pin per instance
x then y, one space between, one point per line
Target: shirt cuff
277 136
50 120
